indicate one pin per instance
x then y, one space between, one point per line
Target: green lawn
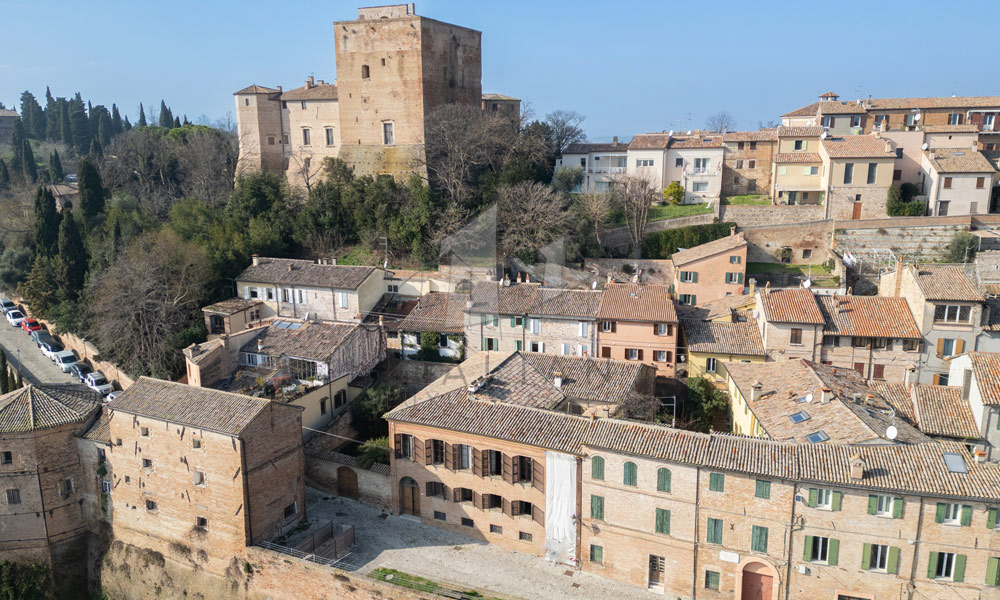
821 275
662 212
747 200
414 582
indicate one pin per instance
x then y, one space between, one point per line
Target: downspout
791 537
910 587
697 536
871 357
246 492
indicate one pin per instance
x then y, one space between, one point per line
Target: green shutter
939 515
966 515
897 508
837 496
662 521
992 569
866 557
714 531
807 548
813 492
716 482
694 275
893 565
991 518
630 474
833 552
758 539
763 489
872 504
517 345
932 565
597 508
597 468
958 575
496 320
663 480
512 322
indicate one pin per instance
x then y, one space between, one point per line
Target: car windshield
15 314
68 358
99 379
55 348
7 304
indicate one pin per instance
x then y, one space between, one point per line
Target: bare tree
596 208
529 215
634 195
566 128
721 121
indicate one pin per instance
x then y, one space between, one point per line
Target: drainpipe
910 588
791 537
697 535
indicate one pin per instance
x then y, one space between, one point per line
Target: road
23 353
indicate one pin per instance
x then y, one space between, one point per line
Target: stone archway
347 482
409 497
757 579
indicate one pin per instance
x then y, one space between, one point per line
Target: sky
628 67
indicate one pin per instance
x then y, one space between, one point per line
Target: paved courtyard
35 368
405 544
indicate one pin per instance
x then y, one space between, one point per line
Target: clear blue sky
629 67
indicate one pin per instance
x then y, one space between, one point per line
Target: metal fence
341 545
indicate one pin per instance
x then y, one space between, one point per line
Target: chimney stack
825 395
858 467
899 277
310 82
732 230
557 379
756 391
255 259
260 345
614 140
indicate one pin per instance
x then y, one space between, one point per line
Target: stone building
7 118
638 323
394 68
438 313
748 158
791 324
203 472
857 174
710 271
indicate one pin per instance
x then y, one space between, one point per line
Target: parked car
66 359
15 317
30 325
51 348
98 382
80 371
111 396
7 305
41 336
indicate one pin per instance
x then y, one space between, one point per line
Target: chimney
557 379
888 146
279 88
732 230
909 374
753 286
899 277
260 345
614 140
756 391
310 82
825 395
289 268
980 455
858 467
255 259
411 8
869 399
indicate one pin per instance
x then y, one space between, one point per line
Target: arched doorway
347 483
757 580
409 497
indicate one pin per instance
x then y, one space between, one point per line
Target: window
699 186
644 162
388 135
949 313
329 136
322 406
522 508
198 477
713 532
679 162
953 514
463 495
829 121
536 346
688 299
663 329
712 580
799 417
872 173
524 536
285 139
716 482
711 364
342 299
796 337
496 529
980 183
947 183
856 121
405 447
817 437
463 457
597 554
751 164
954 119
881 505
880 119
8 457
735 259
739 163
494 462
943 565
150 505
630 474
758 539
817 549
689 276
911 345
147 463
660 355
701 165
492 502
800 144
436 489
524 466
810 170
597 507
365 72
437 452
534 325
631 354
663 480
246 102
105 486
597 468
848 173
13 496
144 431
734 277
821 498
993 572
763 490
584 329
662 521
305 137
583 161
467 522
807 253
340 399
440 516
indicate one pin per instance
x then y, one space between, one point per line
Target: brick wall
764 215
917 238
324 469
552 333
765 243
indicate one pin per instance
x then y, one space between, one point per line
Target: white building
957 181
694 160
600 164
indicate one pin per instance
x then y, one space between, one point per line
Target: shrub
662 244
963 248
674 194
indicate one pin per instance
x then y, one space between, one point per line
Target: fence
345 541
328 544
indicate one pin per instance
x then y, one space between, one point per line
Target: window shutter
959 346
966 515
763 489
477 462
456 495
936 379
538 514
813 492
991 518
508 469
597 468
807 548
418 450
397 446
959 572
939 514
892 566
537 475
449 457
837 497
663 480
866 557
430 492
640 354
932 565
515 469
940 347
992 568
614 327
694 277
754 538
897 508
486 463
656 329
833 552
428 452
872 504
511 509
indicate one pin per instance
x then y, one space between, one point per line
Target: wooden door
857 211
756 586
409 497
347 483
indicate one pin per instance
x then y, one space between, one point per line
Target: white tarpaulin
560 507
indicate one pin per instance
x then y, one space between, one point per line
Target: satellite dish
824 135
916 117
807 283
593 285
891 432
671 132
689 132
926 146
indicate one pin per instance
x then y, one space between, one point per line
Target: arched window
631 475
597 468
663 479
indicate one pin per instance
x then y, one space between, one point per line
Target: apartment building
790 322
798 168
202 469
303 289
957 181
639 323
694 160
947 308
600 163
710 344
858 171
748 156
869 114
974 376
439 314
710 271
509 317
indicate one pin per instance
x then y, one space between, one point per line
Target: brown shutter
456 495
477 499
449 457
537 475
455 459
507 469
655 328
428 485
508 507
477 462
614 327
537 514
640 353
959 346
486 463
940 347
397 445
444 492
670 329
976 119
418 450
429 452
515 469
936 380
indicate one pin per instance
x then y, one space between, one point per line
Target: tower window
388 136
365 72
246 102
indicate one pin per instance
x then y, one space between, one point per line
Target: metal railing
338 563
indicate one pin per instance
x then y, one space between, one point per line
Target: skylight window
817 437
955 462
800 416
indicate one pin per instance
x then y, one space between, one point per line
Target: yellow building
710 344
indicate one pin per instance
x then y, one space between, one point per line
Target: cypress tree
116 121
4 174
19 380
46 228
4 369
72 257
186 122
34 118
104 128
55 166
28 166
80 126
127 126
17 147
52 117
166 119
96 149
177 122
11 381
91 189
65 132
142 116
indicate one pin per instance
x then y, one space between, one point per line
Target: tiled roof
314 341
634 302
993 304
319 91
498 97
797 157
940 410
946 282
831 107
742 338
986 370
764 135
790 306
696 141
867 316
661 141
255 89
799 131
587 148
714 309
305 272
649 141
591 379
805 111
858 146
959 160
36 407
490 297
231 306
437 312
938 102
100 429
898 396
963 128
730 242
204 408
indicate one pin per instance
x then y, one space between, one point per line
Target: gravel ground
35 367
407 545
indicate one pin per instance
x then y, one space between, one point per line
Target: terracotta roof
805 111
713 140
959 160
799 131
661 141
587 378
305 272
498 97
868 316
940 410
726 244
719 337
256 89
797 157
437 312
634 302
35 407
938 102
963 128
986 370
859 146
490 297
313 341
946 282
764 135
721 307
319 91
231 306
587 148
100 429
842 107
649 141
898 396
204 408
791 387
790 306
